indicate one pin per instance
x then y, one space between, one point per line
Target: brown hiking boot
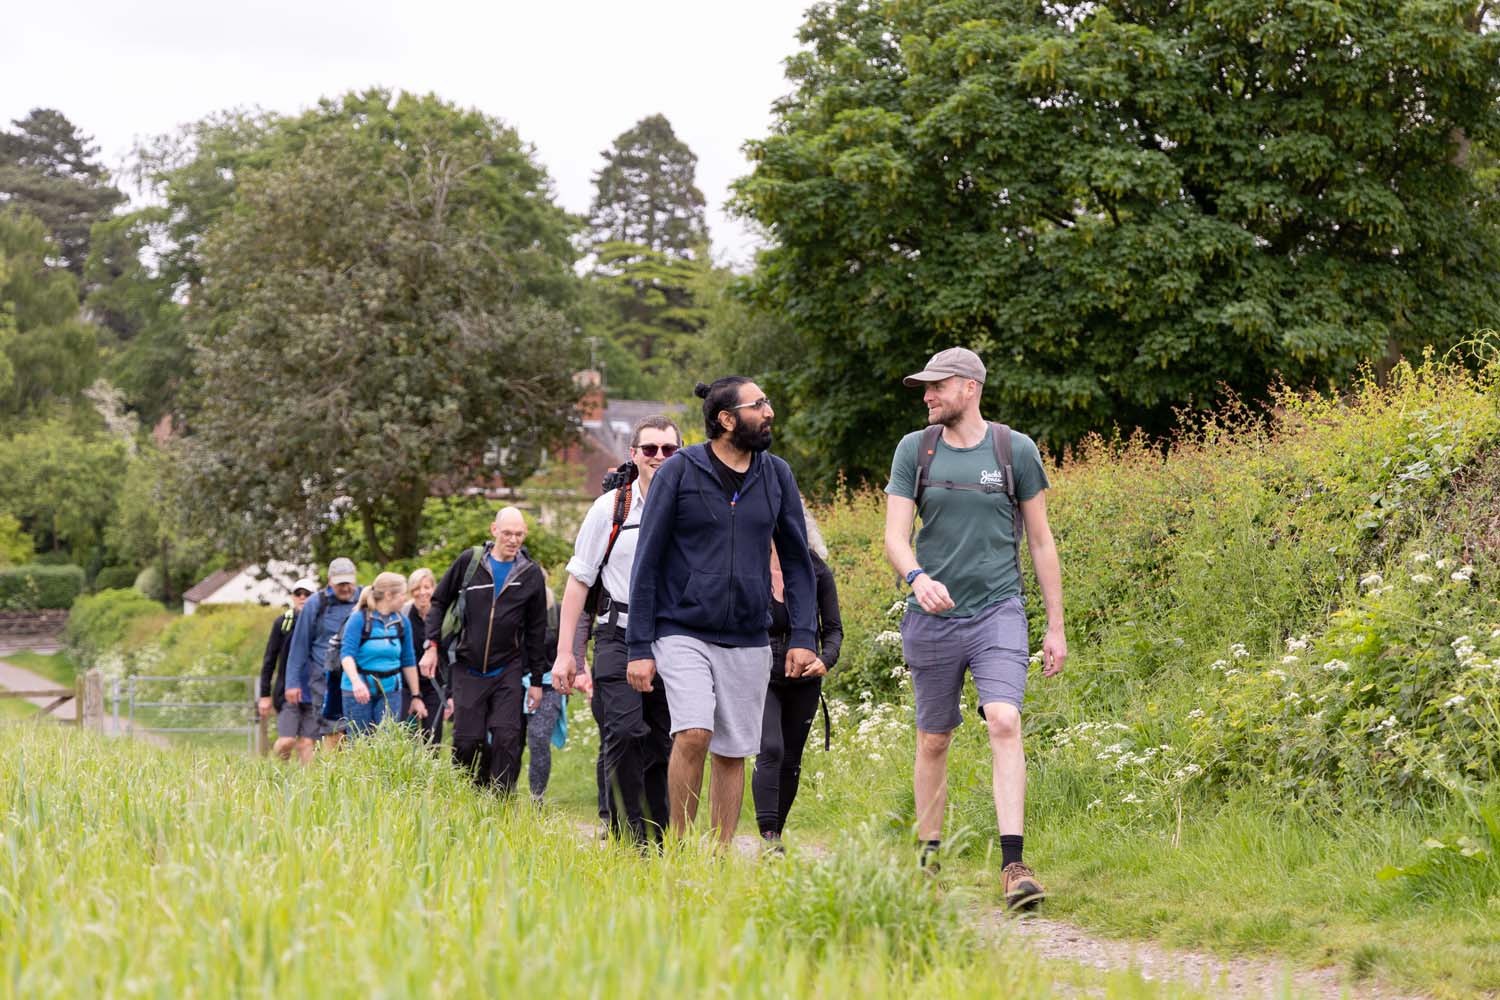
1023 890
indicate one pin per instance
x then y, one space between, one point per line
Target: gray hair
814 537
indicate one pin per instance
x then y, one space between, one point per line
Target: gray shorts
718 688
302 720
991 645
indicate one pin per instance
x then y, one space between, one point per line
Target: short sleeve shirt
967 541
593 538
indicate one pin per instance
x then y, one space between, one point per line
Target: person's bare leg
930 783
283 747
685 776
306 745
1009 759
332 740
726 794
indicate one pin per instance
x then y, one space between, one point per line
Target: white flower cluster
1463 574
889 637
1297 645
1238 651
1336 667
1086 732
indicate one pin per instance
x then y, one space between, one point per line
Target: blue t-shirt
500 570
381 652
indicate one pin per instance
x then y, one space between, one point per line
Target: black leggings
790 708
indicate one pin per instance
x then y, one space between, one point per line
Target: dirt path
1213 974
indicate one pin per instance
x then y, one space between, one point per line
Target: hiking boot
1023 890
927 860
771 845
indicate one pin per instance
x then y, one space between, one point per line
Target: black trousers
601 772
790 708
488 725
636 739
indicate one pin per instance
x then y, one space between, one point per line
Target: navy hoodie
703 563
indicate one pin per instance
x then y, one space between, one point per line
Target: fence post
91 701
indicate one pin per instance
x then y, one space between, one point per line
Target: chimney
590 395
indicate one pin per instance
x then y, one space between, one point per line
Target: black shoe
770 843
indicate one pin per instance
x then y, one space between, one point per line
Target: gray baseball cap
341 570
945 364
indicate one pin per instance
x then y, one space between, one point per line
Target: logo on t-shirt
992 478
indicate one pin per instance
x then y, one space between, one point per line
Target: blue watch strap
912 576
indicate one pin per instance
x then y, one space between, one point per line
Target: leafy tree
1125 207
646 192
149 527
649 241
62 486
377 311
148 355
650 307
16 546
49 353
49 169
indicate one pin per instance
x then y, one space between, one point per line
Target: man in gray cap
979 487
308 713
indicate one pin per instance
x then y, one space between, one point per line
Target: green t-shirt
967 541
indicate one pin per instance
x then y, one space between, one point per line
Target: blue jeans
364 718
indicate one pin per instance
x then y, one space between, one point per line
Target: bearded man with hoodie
700 596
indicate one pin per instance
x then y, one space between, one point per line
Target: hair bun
701 390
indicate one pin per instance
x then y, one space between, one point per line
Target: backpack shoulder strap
926 449
366 626
1005 460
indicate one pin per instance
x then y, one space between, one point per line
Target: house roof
209 585
620 417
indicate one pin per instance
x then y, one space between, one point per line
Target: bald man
502 599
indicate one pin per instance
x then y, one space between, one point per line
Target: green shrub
115 578
35 587
106 622
16 546
149 582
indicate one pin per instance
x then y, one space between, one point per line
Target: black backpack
367 623
1004 459
622 511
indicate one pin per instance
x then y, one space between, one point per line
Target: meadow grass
127 870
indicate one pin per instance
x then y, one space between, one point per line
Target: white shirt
593 538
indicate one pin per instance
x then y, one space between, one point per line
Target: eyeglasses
649 450
760 404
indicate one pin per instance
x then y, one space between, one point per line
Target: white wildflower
1221 664
1336 667
1462 575
1238 651
1279 675
1421 557
1442 564
1371 580
1421 579
1094 804
1131 799
1455 701
1289 659
890 637
1296 645
1196 713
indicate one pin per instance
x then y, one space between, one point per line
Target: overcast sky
569 76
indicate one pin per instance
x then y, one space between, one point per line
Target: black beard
747 438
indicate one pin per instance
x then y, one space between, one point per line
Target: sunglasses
649 450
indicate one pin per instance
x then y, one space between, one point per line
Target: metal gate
217 711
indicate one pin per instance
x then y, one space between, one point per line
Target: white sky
568 76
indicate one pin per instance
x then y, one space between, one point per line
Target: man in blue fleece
700 596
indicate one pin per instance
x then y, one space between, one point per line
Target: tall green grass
130 871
